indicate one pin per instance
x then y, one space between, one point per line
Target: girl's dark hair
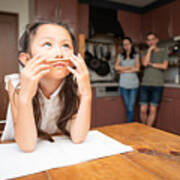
68 94
132 53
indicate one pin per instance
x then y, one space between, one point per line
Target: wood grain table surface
156 156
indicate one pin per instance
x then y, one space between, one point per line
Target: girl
52 92
127 64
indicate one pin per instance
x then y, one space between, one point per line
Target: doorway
8 55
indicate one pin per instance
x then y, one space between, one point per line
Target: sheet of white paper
14 163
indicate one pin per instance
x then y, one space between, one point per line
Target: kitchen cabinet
133 27
107 110
163 21
175 10
93 108
59 10
45 9
110 110
168 117
8 56
162 24
84 19
158 21
146 23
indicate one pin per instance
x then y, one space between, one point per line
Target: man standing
155 60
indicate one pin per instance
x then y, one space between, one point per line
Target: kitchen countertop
105 84
156 156
115 84
172 85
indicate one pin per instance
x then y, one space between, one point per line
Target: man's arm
162 66
147 57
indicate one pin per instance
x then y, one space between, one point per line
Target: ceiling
138 3
137 6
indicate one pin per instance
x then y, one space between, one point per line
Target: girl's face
53 41
127 45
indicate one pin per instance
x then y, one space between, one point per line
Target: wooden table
156 157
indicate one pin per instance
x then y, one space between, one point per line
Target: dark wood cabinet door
168 116
175 124
66 11
109 110
131 24
165 114
162 23
93 108
8 55
146 24
45 9
175 17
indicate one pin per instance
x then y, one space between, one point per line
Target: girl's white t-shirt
50 110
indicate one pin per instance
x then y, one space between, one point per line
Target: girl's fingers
50 61
73 71
77 59
39 60
57 59
43 60
39 68
34 62
81 61
31 61
35 58
41 74
76 63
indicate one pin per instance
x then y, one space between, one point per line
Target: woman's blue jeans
129 97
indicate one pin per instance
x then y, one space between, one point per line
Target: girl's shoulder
14 78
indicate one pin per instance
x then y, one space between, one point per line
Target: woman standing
127 65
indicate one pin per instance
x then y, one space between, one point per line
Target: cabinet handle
167 99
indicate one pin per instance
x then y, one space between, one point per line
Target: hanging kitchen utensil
95 62
98 52
88 55
108 54
105 49
104 68
101 52
113 51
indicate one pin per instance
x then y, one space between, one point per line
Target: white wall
17 6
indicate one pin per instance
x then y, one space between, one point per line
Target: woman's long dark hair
68 94
132 53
